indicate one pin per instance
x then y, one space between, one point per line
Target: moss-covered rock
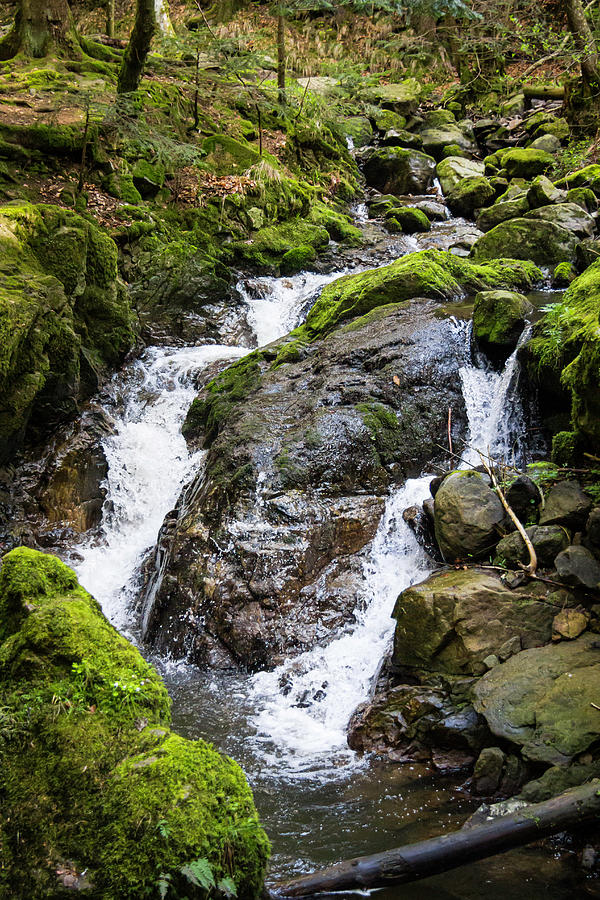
226 155
567 215
92 779
64 317
385 119
469 518
542 192
411 220
402 97
583 197
526 163
501 212
563 275
437 138
498 320
542 241
271 244
358 128
427 273
470 194
588 177
297 259
453 169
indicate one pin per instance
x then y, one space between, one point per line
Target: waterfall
304 705
148 464
494 410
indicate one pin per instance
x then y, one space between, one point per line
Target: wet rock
566 215
589 858
468 517
524 497
359 129
436 212
548 541
566 504
488 771
568 624
577 567
592 530
397 170
548 143
470 194
543 193
557 779
541 700
410 220
498 320
454 620
408 718
453 169
259 562
542 241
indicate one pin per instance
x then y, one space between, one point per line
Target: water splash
494 410
148 463
305 704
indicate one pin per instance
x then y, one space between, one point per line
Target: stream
318 800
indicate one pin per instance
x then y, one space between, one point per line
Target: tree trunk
41 27
163 17
138 47
584 41
281 57
416 861
110 18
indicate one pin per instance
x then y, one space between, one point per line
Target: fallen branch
440 854
531 567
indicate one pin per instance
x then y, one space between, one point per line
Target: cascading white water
304 705
496 423
148 464
277 305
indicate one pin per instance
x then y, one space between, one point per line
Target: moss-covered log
91 777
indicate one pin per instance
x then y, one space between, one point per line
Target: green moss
526 163
409 219
89 771
297 259
563 274
565 448
336 224
60 299
214 405
227 156
428 273
567 341
384 427
272 243
588 177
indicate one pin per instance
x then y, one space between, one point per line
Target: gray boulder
468 517
402 138
436 139
548 541
577 567
543 192
566 215
536 239
397 170
549 143
566 504
541 700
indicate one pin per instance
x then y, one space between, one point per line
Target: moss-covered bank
64 317
92 780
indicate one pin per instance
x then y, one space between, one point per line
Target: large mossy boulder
402 97
588 177
468 516
398 170
452 169
97 792
470 194
455 620
543 192
436 274
537 239
543 700
436 139
526 163
498 320
65 319
269 245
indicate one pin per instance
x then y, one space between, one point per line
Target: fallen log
415 861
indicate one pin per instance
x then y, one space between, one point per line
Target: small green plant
199 874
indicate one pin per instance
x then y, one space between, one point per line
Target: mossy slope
64 317
91 778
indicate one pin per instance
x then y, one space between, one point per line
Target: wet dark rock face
258 561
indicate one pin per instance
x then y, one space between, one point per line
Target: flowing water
318 800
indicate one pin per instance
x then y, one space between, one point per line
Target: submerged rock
91 776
